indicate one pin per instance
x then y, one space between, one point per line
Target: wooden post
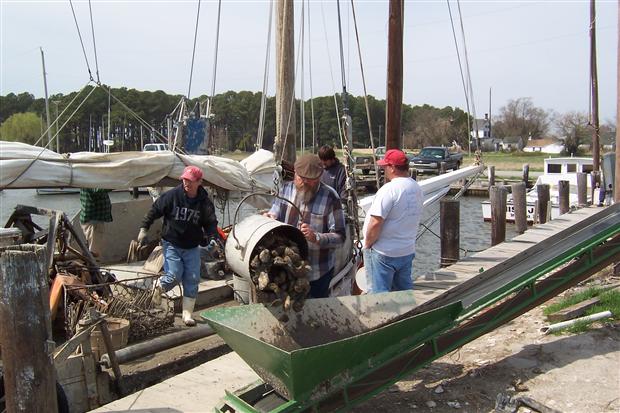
582 189
26 334
285 140
394 98
491 172
519 203
498 196
449 225
526 174
564 192
414 174
543 191
442 168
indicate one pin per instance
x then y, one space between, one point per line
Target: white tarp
27 166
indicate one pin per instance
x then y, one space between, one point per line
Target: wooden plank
573 311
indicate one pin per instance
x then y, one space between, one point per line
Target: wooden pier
201 388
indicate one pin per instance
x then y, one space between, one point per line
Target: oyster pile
279 275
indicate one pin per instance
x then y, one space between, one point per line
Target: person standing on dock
96 210
318 213
334 174
391 227
189 220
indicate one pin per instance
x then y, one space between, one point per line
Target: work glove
142 238
212 246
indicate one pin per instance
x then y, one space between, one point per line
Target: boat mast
593 73
47 104
394 100
285 141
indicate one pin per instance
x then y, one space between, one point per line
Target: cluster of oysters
280 274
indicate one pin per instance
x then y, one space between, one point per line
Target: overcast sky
517 49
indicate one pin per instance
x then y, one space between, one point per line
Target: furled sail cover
27 166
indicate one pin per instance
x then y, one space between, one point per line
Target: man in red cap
391 226
189 220
321 220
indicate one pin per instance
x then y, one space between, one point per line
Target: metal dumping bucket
330 343
241 246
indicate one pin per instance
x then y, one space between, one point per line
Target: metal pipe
158 344
564 324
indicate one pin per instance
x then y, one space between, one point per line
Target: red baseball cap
394 157
192 173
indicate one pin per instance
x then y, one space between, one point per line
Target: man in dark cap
334 173
318 215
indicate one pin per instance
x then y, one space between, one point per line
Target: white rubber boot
188 308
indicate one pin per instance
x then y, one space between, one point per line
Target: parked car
380 152
429 160
154 147
365 164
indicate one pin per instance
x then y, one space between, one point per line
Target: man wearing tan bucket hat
318 215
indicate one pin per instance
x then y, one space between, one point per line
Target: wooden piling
491 173
414 174
582 189
498 195
564 193
26 334
442 168
526 174
543 206
449 225
519 203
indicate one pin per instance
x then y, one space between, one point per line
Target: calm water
475 233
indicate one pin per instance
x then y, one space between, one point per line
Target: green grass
609 301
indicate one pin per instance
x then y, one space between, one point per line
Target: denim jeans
385 273
320 288
181 266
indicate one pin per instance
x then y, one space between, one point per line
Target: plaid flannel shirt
96 206
325 216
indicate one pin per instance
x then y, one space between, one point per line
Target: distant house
547 145
481 129
511 143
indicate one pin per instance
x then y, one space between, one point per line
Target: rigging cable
468 71
92 29
345 99
331 72
191 71
217 43
359 53
263 100
311 93
302 104
458 55
77 26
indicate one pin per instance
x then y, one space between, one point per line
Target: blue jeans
181 266
320 288
388 273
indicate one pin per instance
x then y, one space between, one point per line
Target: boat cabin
568 165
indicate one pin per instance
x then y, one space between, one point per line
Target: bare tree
521 118
573 128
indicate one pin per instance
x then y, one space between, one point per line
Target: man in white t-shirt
391 227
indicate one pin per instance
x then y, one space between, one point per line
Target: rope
469 82
359 53
217 43
92 29
191 70
314 146
263 100
458 55
302 106
77 26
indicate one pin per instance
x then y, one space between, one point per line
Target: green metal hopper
330 343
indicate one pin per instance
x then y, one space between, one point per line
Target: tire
61 397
